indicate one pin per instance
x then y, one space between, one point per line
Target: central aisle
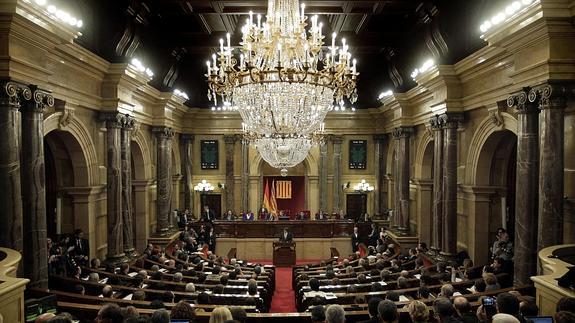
283 300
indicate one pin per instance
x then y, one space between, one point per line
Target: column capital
435 123
187 137
112 119
402 132
39 100
519 101
14 92
163 132
450 120
551 95
230 139
128 122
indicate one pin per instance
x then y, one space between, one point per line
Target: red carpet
283 300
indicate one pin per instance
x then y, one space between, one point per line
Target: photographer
502 247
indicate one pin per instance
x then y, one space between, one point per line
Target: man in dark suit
211 240
81 248
208 215
355 240
286 236
372 308
183 219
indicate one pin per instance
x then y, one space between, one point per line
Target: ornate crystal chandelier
283 82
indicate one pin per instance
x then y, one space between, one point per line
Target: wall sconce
345 186
204 186
363 186
222 186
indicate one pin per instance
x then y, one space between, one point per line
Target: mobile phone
488 301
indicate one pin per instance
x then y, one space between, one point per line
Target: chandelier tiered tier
284 82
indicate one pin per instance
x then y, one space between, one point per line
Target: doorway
356 205
214 201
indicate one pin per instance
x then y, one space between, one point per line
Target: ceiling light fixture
284 81
426 66
506 14
137 65
59 14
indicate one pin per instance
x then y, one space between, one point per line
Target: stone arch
477 158
424 157
79 145
141 156
486 181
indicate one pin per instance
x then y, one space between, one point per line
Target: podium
284 254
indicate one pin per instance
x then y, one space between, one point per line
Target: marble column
230 141
402 135
187 154
380 203
245 175
552 100
11 94
525 244
164 137
114 122
127 215
35 255
437 206
323 168
337 140
450 123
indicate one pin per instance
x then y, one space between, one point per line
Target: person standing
286 236
207 214
81 248
355 239
211 240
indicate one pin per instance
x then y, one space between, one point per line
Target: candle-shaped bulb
251 17
221 45
302 12
228 39
259 21
333 41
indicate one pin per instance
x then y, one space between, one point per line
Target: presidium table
254 240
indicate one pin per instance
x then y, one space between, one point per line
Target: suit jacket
286 238
81 247
355 240
208 216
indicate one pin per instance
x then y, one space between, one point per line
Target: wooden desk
284 254
273 229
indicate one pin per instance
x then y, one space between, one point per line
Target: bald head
462 305
44 318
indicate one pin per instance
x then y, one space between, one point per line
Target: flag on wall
273 203
283 190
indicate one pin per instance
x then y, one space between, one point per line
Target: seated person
300 216
320 216
248 216
282 215
229 216
263 214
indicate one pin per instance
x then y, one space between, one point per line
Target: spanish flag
266 202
